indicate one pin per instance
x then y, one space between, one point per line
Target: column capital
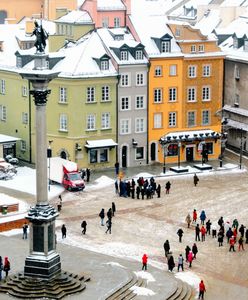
40 97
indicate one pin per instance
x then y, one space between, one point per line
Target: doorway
189 154
153 151
124 156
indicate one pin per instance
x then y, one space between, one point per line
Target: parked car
12 160
6 166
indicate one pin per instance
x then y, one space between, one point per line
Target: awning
8 139
189 136
107 143
236 125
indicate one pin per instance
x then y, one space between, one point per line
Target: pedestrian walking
208 227
25 231
87 174
1 267
113 209
220 238
166 248
109 214
6 266
241 243
203 217
242 230
194 216
235 224
102 216
167 187
180 234
197 233
229 234
116 187
194 250
214 231
63 231
158 190
180 262
188 220
221 222
84 225
232 243
203 233
117 167
144 262
195 179
190 258
187 249
202 290
109 226
171 263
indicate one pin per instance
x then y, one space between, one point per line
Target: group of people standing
110 213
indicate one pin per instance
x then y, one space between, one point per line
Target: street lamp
49 155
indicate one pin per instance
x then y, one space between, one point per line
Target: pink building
107 13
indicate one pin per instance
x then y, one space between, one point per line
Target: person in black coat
194 250
220 237
171 263
102 216
63 231
84 225
109 226
180 234
109 214
229 234
242 230
158 190
208 226
87 174
113 209
142 192
138 191
197 232
187 249
166 248
167 187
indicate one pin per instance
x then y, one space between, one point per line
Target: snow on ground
189 277
100 182
145 275
141 291
115 264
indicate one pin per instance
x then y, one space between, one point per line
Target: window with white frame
2 87
191 71
105 93
157 95
91 122
206 93
205 117
24 118
201 48
172 119
90 94
139 125
117 22
139 153
191 118
124 79
105 120
191 94
206 70
235 43
63 95
125 103
104 65
138 54
124 55
193 48
140 79
98 155
125 126
158 71
3 113
165 46
237 72
23 145
157 120
24 91
173 70
140 102
63 122
18 62
172 94
105 22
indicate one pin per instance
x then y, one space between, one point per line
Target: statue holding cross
41 37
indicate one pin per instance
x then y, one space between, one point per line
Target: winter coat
220 237
180 260
202 287
190 256
203 216
188 219
166 246
208 225
197 229
229 233
144 259
203 230
180 232
196 179
102 214
194 249
168 185
194 215
6 266
241 241
171 263
232 241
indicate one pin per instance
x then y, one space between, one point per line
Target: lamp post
203 151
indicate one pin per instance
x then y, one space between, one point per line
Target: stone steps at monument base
183 291
129 294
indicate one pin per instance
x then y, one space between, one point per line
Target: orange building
13 11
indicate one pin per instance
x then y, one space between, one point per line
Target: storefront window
103 155
209 147
140 153
93 156
172 150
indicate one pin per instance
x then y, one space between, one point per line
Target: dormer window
139 54
193 49
104 65
235 43
165 46
245 45
177 33
19 62
117 22
119 37
201 48
124 55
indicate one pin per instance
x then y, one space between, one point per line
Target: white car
6 167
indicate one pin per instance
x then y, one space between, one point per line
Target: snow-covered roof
236 110
209 21
110 5
76 17
234 3
7 138
237 125
100 143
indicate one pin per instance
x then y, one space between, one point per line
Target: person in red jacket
194 216
144 262
202 290
232 243
203 233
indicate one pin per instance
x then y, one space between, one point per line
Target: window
236 100
237 72
157 95
3 113
139 54
191 94
105 120
140 79
245 45
19 62
158 71
205 117
201 48
105 93
2 87
103 155
191 118
139 102
98 155
23 145
165 46
173 70
172 150
157 120
91 122
191 71
125 126
193 49
117 22
125 103
63 122
105 22
24 91
209 147
124 55
104 65
93 156
177 33
124 80
206 93
235 43
173 94
206 70
139 153
172 119
24 118
139 125
90 94
63 95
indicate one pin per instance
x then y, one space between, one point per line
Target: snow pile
144 175
189 277
12 232
141 291
7 200
100 182
145 275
